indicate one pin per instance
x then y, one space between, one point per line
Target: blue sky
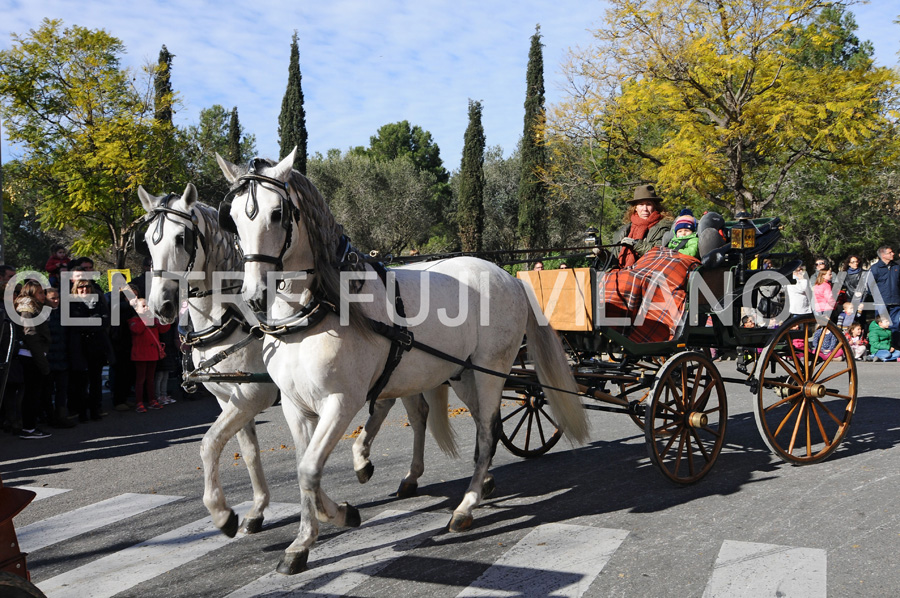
365 63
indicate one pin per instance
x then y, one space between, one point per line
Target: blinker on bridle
159 214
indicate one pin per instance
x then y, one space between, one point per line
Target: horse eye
180 240
276 216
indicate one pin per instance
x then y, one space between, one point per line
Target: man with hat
645 225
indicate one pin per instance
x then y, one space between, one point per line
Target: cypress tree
470 213
532 191
162 84
292 120
234 138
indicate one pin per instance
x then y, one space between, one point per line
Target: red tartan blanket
658 282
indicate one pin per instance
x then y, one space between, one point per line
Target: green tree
162 84
501 199
381 203
292 120
470 203
718 102
202 141
402 140
89 136
235 155
532 189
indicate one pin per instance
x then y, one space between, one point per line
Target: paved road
120 514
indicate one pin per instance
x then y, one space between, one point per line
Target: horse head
263 210
174 241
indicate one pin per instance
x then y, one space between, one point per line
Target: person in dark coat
885 274
33 356
89 350
58 358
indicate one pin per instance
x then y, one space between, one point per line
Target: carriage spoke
518 426
825 408
833 376
801 405
700 445
821 427
518 409
528 429
784 400
785 420
690 452
787 368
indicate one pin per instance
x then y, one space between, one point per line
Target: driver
645 224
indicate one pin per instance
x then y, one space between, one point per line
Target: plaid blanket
658 282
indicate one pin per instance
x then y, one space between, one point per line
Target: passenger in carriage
798 300
645 225
685 240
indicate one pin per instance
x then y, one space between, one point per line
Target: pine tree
162 85
292 120
234 138
532 190
470 212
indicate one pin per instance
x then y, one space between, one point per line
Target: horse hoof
460 523
293 563
351 515
252 525
365 474
488 487
231 526
407 489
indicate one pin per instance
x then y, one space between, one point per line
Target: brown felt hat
644 192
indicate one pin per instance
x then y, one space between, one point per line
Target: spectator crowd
56 374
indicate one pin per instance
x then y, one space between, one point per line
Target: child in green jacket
880 340
685 229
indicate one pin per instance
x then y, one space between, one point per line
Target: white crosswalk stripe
125 569
748 569
87 519
553 559
43 493
341 564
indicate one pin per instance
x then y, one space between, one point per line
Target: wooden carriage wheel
806 397
686 417
527 429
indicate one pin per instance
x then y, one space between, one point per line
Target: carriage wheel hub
697 420
813 390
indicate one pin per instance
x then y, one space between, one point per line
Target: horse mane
324 238
220 250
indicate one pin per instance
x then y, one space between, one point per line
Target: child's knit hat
685 220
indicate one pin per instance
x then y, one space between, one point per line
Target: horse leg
417 411
363 445
481 394
249 443
223 429
315 505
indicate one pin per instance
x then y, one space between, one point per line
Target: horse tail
553 371
439 420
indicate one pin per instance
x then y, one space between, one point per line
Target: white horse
184 239
324 356
193 242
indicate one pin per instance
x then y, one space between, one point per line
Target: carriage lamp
590 236
743 234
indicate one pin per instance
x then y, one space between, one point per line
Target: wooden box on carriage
565 296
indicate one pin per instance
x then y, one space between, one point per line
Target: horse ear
284 168
190 194
147 200
231 172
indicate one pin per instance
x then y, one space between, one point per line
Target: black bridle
290 213
160 214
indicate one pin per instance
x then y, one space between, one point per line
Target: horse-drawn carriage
804 396
330 347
